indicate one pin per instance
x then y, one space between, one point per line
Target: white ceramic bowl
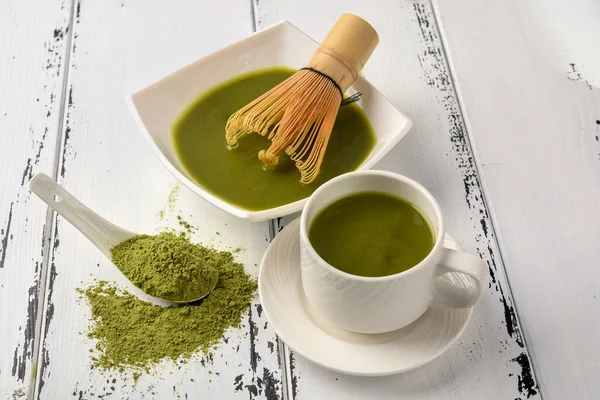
158 105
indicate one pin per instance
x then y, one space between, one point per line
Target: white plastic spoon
102 233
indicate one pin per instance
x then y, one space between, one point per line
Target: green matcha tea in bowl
184 115
372 250
237 175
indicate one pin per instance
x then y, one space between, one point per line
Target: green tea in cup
371 234
372 252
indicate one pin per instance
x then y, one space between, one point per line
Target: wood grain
119 46
410 68
32 54
536 132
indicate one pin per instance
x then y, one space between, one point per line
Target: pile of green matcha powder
130 332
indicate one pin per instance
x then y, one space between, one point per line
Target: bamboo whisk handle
345 50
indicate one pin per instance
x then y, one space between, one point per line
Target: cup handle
449 295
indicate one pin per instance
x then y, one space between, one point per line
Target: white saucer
309 335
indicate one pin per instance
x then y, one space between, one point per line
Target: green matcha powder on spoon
165 266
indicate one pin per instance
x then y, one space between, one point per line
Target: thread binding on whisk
348 100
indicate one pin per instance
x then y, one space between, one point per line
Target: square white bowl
156 107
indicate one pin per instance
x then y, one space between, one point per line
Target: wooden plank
32 54
409 67
119 46
537 134
564 35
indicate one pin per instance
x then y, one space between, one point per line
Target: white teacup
383 304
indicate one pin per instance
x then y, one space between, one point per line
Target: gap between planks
484 196
50 216
286 373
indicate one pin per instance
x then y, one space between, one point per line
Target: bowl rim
247 215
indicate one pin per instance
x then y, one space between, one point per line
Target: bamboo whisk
298 114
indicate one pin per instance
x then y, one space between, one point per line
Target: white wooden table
506 109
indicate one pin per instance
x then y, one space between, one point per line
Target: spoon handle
104 234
